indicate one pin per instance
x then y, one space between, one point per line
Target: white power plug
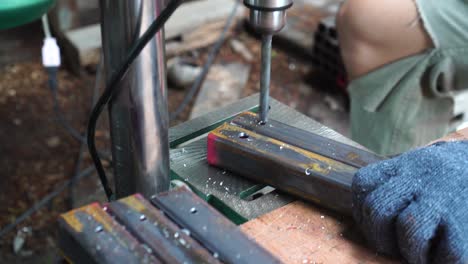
50 53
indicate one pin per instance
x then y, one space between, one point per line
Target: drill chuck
268 16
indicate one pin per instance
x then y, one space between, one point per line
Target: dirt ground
37 154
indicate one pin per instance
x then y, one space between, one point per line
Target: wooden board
192 15
304 233
223 86
193 25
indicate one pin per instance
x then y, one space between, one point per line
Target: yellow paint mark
94 210
99 215
134 203
318 168
248 114
313 166
72 221
352 156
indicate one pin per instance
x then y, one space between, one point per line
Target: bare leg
376 32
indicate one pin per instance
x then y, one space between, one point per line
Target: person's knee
374 33
353 36
353 18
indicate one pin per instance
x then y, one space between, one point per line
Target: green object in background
17 12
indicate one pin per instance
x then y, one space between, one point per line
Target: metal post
139 114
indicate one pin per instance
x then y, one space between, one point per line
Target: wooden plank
191 15
194 25
223 86
198 38
304 233
87 42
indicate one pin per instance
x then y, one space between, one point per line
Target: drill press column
267 17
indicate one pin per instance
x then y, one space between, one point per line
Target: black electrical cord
211 57
112 88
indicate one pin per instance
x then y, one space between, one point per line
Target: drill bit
267 17
265 78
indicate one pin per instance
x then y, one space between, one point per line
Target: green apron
410 102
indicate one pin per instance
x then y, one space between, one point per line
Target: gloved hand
416 205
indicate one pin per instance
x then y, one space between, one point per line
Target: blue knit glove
416 205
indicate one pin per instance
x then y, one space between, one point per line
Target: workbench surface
294 231
188 143
304 233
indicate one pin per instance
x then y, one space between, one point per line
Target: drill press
267 17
